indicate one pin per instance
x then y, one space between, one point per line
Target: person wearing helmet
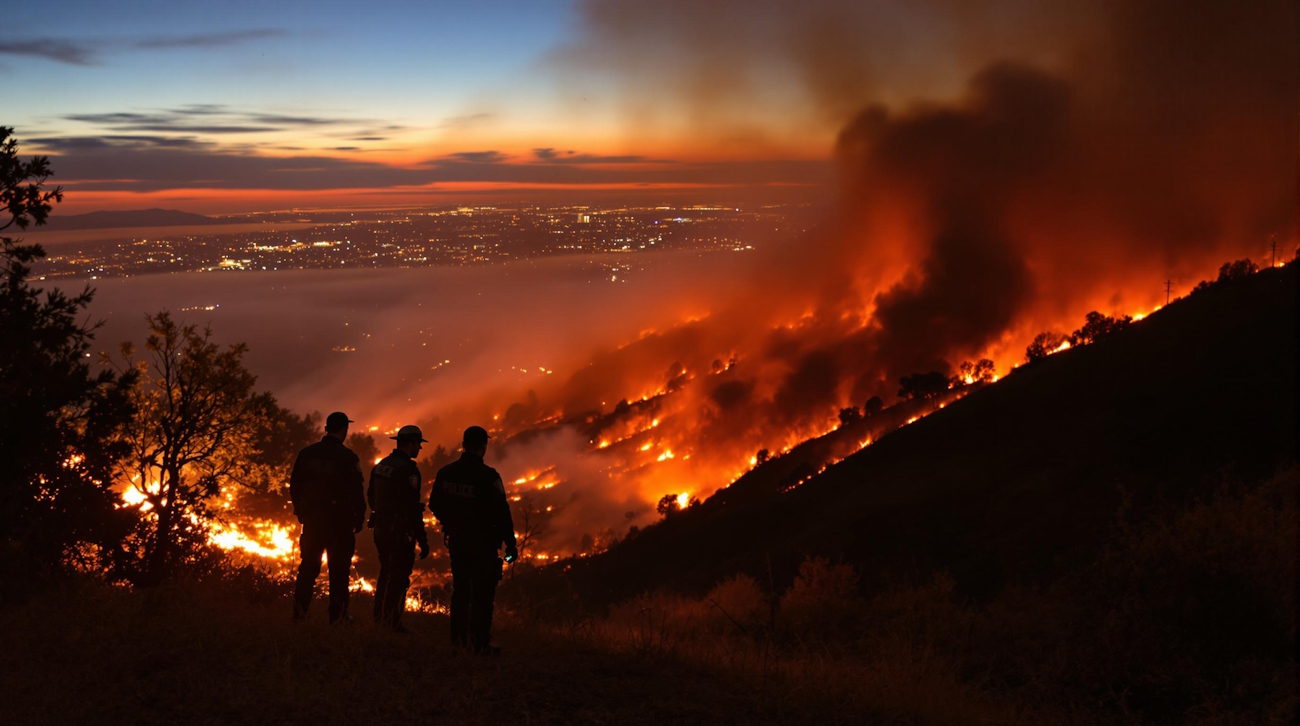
328 500
398 520
469 500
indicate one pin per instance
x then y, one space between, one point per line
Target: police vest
395 493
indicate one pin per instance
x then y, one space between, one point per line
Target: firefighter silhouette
398 520
469 499
326 489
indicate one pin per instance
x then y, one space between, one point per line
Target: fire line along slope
1019 481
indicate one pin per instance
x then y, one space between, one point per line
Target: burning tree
1043 345
981 371
667 504
58 421
197 428
1097 326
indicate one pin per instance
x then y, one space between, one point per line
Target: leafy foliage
199 427
58 421
926 386
1097 326
1043 345
981 371
873 406
850 415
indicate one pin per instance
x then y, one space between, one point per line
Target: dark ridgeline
1019 481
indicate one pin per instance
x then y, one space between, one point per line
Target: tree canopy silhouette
1043 345
58 420
1097 326
981 371
926 386
873 406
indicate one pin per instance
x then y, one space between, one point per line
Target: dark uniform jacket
469 499
326 486
394 496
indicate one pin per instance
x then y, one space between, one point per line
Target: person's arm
357 493
417 512
296 489
505 520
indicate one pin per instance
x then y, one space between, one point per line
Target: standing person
397 515
469 500
326 488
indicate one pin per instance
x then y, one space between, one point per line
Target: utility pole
1168 285
1273 263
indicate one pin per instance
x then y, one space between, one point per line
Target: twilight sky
264 105
245 105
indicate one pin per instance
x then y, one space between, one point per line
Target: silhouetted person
326 488
398 519
469 500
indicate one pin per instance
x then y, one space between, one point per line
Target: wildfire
265 539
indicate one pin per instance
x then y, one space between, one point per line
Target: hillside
128 218
1021 480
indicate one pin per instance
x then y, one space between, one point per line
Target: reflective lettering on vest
459 490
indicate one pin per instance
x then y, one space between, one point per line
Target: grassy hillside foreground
1186 619
196 655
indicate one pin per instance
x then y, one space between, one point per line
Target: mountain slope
1021 480
128 218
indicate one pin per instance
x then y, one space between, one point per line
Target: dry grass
176 655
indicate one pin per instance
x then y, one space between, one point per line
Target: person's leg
383 543
402 562
462 584
341 546
487 575
310 549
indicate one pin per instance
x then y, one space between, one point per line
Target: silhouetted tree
1043 345
677 377
981 371
873 406
1228 273
529 520
622 407
197 424
850 415
762 457
926 386
1237 270
366 449
1097 326
430 464
667 505
59 423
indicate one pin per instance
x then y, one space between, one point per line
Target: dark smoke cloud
1004 168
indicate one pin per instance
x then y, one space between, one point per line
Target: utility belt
387 523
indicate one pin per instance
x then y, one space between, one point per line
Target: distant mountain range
129 218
